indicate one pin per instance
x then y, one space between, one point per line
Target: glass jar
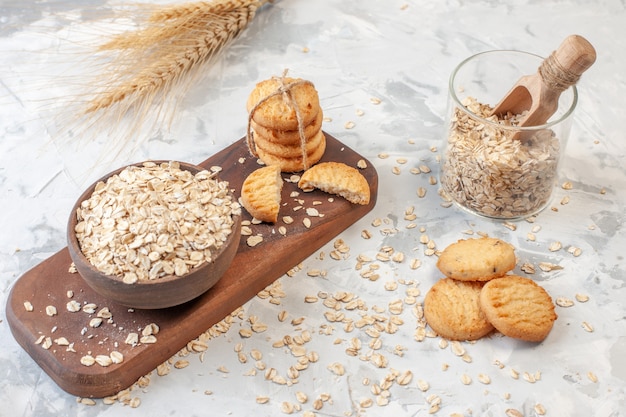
491 167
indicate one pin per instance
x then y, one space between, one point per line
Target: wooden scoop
538 94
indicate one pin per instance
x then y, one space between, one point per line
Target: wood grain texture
253 269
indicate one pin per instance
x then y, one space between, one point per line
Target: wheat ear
175 43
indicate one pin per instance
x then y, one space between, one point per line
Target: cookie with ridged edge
477 259
294 164
452 310
261 193
339 179
518 307
288 151
289 137
273 111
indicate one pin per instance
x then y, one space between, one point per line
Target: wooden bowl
163 292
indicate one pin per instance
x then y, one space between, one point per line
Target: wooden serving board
252 270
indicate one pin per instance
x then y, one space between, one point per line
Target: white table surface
402 53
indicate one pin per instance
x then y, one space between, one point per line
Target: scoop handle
565 65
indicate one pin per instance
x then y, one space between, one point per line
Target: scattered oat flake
28 306
484 379
511 412
337 368
95 322
528 377
349 125
262 399
181 363
86 401
466 379
528 268
547 266
366 403
555 246
587 327
582 298
104 360
134 402
132 339
117 357
405 378
47 343
423 385
62 341
254 240
90 308
424 169
313 212
51 311
87 360
540 409
73 306
511 226
564 302
567 185
148 340
574 251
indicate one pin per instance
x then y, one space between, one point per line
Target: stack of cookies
285 123
478 295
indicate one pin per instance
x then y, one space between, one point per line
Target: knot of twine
284 90
555 75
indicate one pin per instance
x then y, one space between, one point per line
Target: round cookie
452 310
260 193
289 137
517 307
479 259
274 112
337 178
295 164
288 151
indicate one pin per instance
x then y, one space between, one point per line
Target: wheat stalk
169 51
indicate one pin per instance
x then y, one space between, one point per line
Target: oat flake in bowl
154 234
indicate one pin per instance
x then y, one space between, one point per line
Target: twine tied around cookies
285 90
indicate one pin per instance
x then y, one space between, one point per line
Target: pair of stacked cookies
285 123
479 295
